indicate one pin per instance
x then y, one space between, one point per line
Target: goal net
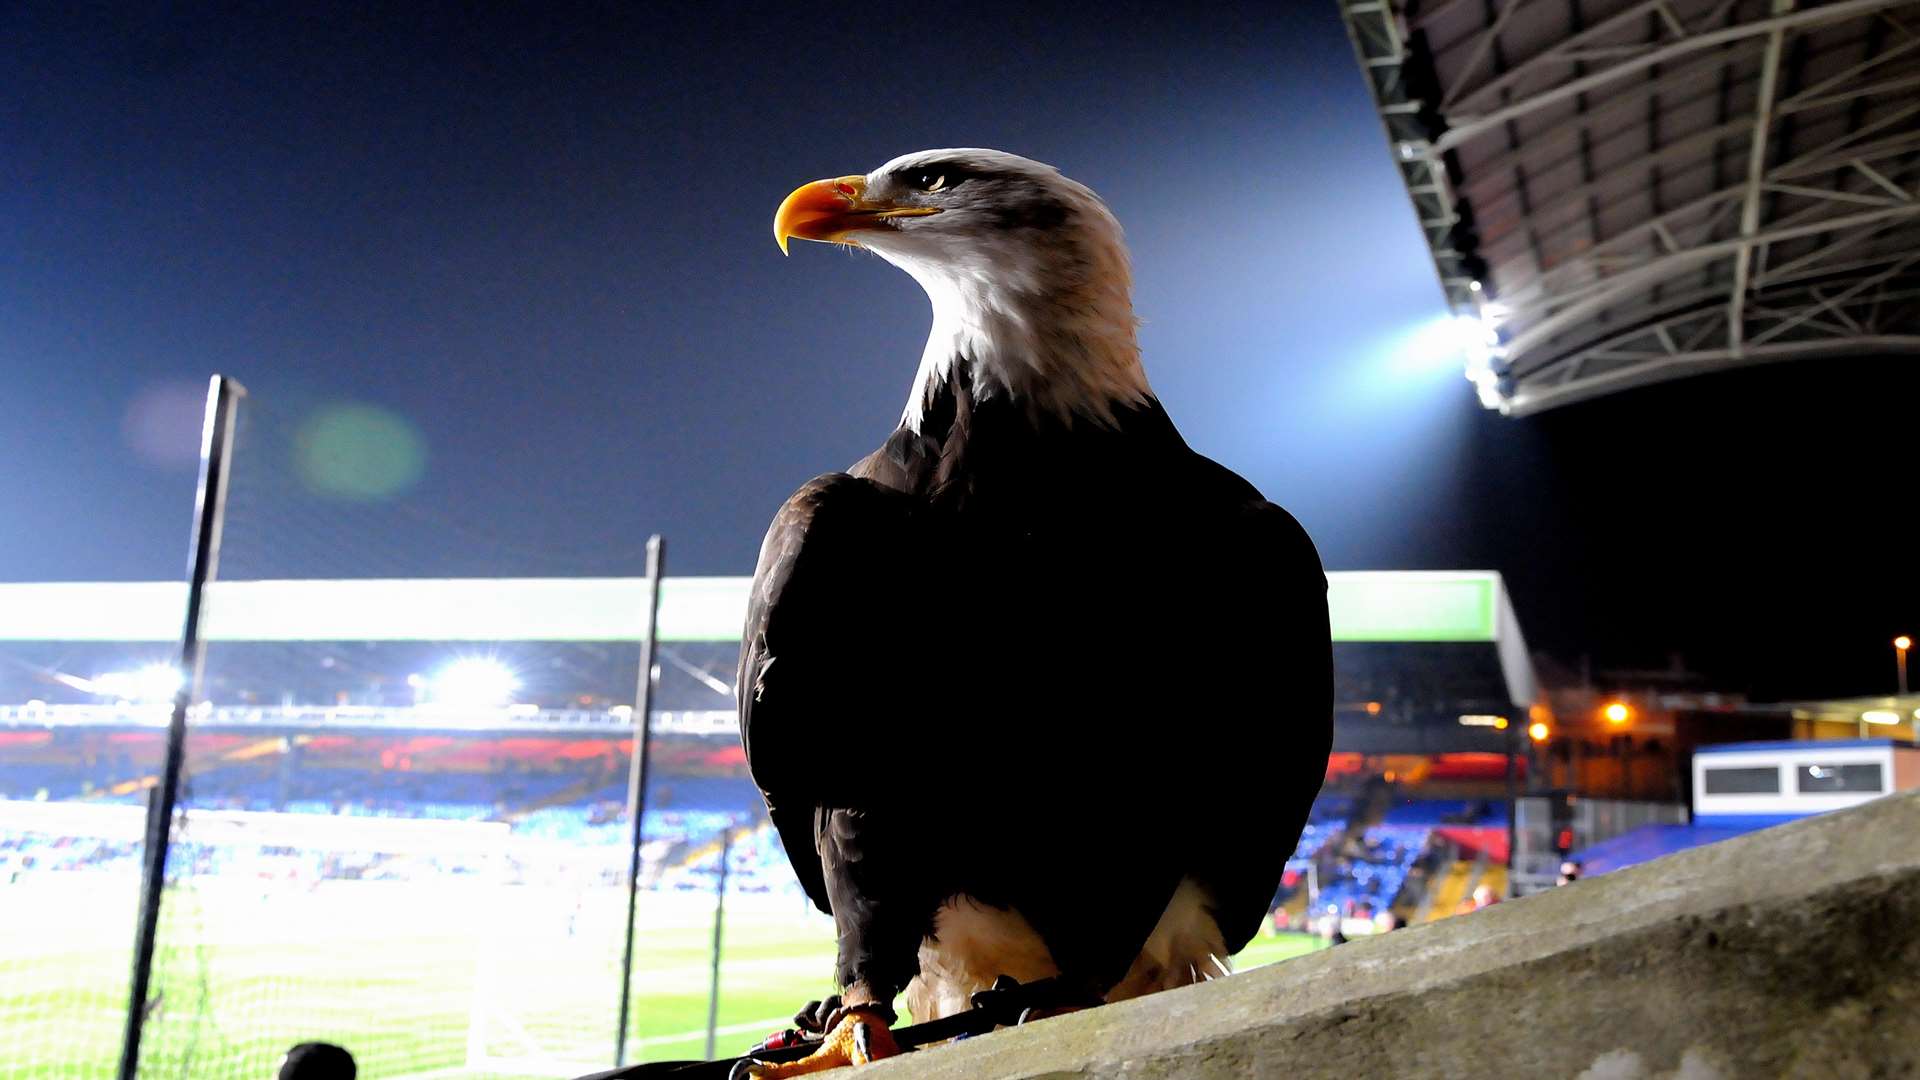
275 929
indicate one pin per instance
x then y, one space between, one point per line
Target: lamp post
1900 646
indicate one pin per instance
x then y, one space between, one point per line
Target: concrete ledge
1794 951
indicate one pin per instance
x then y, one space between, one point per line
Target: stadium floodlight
1903 643
155 682
1479 338
1880 716
1616 712
1538 731
475 680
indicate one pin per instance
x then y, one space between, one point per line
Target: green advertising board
1364 605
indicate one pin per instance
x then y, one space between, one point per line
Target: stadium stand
1370 870
557 795
48 780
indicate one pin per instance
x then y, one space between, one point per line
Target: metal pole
216 458
637 782
719 921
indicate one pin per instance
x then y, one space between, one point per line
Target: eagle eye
932 179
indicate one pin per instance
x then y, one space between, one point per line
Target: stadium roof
1620 193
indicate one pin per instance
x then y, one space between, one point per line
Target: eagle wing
814 651
1273 629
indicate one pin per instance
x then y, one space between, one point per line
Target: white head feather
1029 278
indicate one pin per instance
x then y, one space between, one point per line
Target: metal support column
719 925
1513 801
637 783
216 459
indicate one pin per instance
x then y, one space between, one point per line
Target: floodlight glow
1471 333
1616 712
475 680
1538 732
1903 643
155 682
1480 341
1880 716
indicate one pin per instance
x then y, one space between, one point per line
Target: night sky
504 291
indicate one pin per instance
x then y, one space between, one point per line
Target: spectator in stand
1482 897
317 1061
1330 929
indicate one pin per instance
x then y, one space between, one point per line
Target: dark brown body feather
1054 669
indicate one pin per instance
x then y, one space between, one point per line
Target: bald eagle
1033 689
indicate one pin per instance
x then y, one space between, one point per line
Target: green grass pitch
424 980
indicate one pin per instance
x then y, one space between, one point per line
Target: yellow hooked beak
830 211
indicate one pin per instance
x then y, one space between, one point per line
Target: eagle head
1027 271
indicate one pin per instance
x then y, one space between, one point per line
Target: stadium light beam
475 680
155 682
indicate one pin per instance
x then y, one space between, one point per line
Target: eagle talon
859 1036
1028 1016
815 1016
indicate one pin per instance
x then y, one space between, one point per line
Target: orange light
1616 712
1903 643
1537 732
1373 708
